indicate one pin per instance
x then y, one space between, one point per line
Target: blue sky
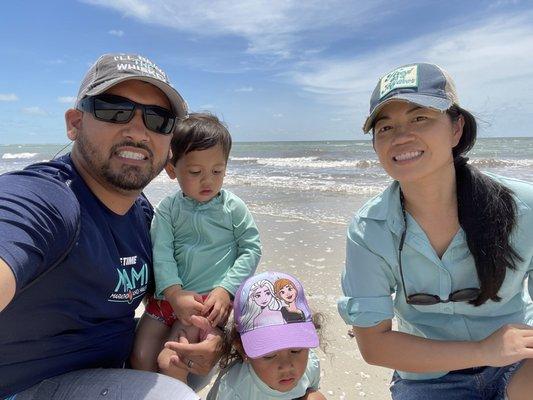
271 69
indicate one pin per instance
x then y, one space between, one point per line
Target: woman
453 245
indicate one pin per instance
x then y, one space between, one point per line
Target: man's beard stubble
125 177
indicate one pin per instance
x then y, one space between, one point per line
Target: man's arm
7 285
39 220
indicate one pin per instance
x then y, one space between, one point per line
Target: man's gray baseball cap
111 69
426 85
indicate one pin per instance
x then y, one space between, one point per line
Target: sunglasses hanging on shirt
426 299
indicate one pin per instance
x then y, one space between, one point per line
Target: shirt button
104 392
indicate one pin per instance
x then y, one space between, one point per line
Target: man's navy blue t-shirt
79 314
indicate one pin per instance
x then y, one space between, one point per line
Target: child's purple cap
272 314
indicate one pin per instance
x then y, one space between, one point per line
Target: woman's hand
198 358
509 344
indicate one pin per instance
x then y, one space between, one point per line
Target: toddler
267 355
205 244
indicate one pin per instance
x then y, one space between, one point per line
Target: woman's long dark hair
487 214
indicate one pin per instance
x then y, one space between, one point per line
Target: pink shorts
162 311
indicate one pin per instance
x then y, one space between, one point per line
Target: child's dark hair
199 131
229 350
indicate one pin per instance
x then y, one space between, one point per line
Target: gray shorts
109 384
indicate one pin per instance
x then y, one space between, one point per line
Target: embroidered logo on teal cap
403 77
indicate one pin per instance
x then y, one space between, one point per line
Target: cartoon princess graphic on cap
285 290
262 307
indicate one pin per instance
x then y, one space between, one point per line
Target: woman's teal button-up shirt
371 280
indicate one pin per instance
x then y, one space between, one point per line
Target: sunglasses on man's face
120 110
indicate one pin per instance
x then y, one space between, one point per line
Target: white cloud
503 3
491 64
270 27
35 110
490 59
245 89
8 97
277 115
115 32
207 106
66 99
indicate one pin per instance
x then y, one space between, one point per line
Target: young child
205 244
266 357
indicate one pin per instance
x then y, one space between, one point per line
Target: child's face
281 370
200 173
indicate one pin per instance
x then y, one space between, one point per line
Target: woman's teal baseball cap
423 84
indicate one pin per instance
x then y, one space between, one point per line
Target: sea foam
12 156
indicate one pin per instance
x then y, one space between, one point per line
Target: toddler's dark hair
199 131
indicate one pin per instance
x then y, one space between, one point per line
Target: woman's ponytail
487 214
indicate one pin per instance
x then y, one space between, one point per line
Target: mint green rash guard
372 276
201 246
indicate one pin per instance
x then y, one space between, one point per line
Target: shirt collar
521 207
218 199
385 207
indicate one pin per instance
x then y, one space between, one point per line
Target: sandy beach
315 253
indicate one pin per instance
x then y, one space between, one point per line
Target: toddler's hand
217 306
184 303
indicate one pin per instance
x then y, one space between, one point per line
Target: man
75 251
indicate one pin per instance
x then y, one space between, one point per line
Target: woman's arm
380 345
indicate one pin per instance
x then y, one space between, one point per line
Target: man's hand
217 306
184 303
198 358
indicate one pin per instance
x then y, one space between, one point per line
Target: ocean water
313 181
